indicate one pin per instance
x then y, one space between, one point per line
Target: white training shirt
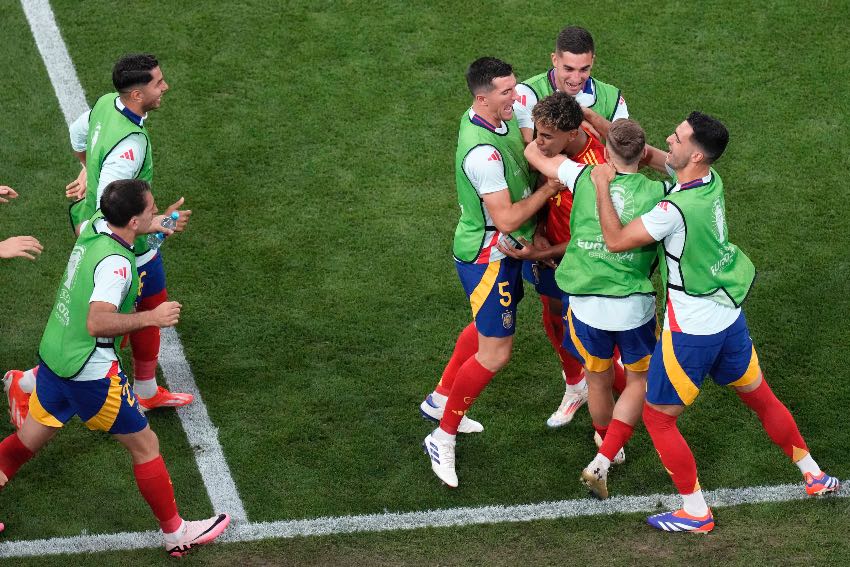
112 279
606 313
587 97
692 315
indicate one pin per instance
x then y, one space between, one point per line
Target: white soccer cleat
442 455
619 458
574 397
195 533
433 411
596 480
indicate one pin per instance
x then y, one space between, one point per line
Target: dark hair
558 110
574 40
710 134
124 199
627 140
481 72
133 70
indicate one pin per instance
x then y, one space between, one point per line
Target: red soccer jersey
557 227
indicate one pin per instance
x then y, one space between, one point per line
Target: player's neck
489 116
575 147
620 167
692 171
127 234
134 107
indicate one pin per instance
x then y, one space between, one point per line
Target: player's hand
603 175
157 226
183 220
20 247
166 314
541 242
552 187
76 189
7 193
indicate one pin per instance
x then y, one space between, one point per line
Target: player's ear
554 60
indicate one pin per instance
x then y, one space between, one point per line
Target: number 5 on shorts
506 295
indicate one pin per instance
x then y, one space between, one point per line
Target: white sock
601 462
442 436
439 398
176 533
27 381
582 385
694 504
808 465
145 388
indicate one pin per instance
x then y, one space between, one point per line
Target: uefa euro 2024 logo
719 220
624 204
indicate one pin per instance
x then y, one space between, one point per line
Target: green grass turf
314 141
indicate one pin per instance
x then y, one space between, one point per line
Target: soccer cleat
596 480
165 399
442 459
195 533
681 521
19 401
433 411
619 458
574 397
821 484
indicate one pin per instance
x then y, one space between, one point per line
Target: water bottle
156 239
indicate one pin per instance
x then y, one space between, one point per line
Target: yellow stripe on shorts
592 363
482 291
752 373
684 387
641 365
40 414
104 418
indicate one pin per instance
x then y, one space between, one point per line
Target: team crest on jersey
719 220
73 263
624 204
96 135
507 319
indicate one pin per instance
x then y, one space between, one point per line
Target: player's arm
124 161
20 247
509 216
522 111
618 238
79 131
7 193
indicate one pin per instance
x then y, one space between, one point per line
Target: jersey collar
694 184
479 121
102 227
132 116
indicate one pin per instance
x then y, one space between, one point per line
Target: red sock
145 342
471 379
619 373
675 454
553 324
602 430
13 454
619 433
155 485
466 346
776 420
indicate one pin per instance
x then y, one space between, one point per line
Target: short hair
627 140
710 134
558 110
133 70
482 71
124 199
574 40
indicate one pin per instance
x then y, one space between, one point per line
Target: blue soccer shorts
494 290
107 404
594 348
682 361
151 277
542 277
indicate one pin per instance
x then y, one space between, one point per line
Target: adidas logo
495 156
128 155
522 100
121 272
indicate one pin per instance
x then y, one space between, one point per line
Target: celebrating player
705 332
494 187
79 372
611 299
112 142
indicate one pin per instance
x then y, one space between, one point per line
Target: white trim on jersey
568 173
523 106
79 132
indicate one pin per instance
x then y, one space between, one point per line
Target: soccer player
572 63
611 299
17 246
705 332
79 372
112 142
494 187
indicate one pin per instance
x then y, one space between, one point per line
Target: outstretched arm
618 238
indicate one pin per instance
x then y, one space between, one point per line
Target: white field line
413 520
201 433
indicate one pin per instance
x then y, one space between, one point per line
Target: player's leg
146 342
575 385
494 291
433 406
676 371
18 386
738 367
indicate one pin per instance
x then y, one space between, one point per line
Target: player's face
571 70
153 91
681 146
144 219
551 141
501 99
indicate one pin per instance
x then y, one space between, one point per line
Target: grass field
315 143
